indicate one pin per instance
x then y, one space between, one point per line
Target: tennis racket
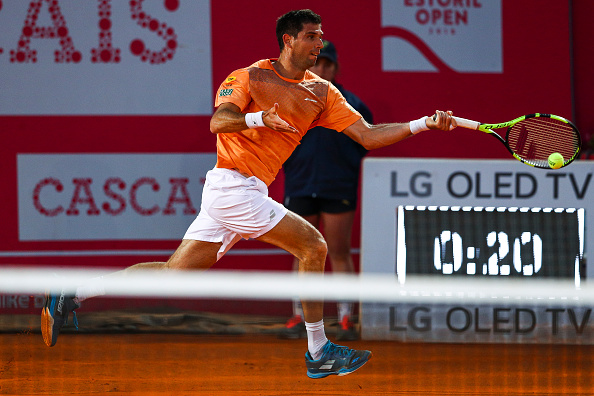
532 138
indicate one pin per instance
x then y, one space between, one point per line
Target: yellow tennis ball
556 160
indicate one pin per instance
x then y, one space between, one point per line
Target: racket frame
489 128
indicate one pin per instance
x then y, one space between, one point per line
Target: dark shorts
307 206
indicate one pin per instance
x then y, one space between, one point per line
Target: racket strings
534 139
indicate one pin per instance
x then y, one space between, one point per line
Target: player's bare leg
295 326
337 229
306 243
190 255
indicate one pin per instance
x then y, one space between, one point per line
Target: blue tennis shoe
335 360
54 315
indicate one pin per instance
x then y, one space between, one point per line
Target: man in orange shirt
321 183
262 113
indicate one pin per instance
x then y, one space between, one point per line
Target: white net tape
288 285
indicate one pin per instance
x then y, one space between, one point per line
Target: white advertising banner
72 57
438 35
477 219
74 197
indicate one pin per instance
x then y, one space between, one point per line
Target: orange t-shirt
303 104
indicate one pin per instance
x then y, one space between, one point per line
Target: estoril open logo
442 36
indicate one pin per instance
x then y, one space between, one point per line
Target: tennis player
262 112
321 185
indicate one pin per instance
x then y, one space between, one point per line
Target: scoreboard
476 219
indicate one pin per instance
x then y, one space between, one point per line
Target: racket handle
464 123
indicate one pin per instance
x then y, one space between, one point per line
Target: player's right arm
382 135
228 118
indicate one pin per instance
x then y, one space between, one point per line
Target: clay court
182 364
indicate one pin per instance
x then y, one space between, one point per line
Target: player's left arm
381 135
228 118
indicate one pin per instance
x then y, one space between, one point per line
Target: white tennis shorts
234 207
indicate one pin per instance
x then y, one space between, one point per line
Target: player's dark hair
292 23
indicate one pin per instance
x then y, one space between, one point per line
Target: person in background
321 185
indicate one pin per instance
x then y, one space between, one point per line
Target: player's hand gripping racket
533 138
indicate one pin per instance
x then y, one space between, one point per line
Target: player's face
325 68
307 45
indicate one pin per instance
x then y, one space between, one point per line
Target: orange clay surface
172 364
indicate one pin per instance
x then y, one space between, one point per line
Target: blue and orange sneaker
335 360
54 315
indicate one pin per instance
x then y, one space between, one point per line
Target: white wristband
419 125
254 120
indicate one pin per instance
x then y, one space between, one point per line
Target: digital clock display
490 241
